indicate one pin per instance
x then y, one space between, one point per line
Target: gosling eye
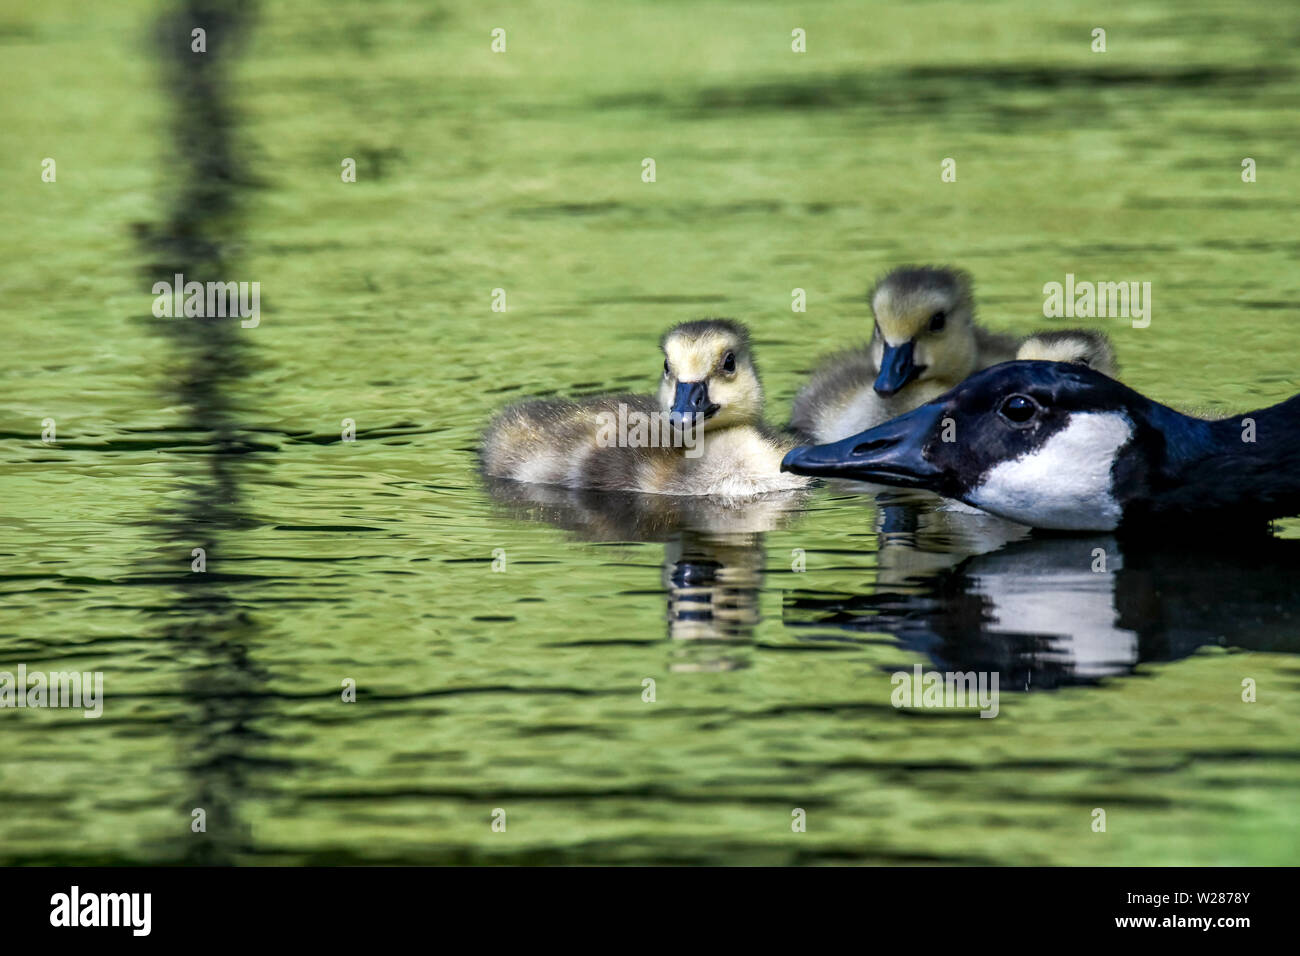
729 363
938 321
666 371
1018 409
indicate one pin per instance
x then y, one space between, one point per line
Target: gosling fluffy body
705 435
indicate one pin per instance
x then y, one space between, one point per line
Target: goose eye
729 363
666 372
1018 409
938 321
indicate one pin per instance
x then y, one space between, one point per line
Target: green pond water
771 630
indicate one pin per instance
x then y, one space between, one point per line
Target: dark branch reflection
206 625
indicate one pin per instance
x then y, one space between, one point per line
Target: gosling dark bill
690 400
897 368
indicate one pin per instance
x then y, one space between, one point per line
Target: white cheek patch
1066 484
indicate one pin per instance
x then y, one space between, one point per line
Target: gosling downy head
1082 346
709 375
1063 447
925 327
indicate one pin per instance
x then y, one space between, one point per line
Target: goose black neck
1239 470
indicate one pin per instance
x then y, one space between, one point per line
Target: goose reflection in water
969 591
714 555
1048 611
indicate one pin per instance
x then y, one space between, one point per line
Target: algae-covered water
500 638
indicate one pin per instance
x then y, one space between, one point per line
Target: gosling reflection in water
1050 611
714 555
713 583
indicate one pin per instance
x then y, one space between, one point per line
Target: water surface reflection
1049 610
967 590
714 555
206 623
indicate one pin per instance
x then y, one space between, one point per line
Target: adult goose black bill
1061 446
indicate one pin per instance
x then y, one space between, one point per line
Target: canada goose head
1082 346
925 327
1048 444
709 371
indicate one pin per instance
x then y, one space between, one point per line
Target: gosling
703 434
925 342
1081 346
